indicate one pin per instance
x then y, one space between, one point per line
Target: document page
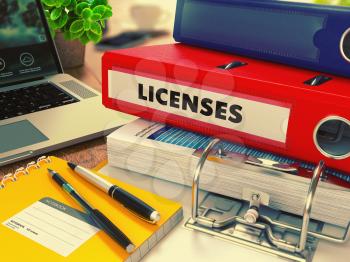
54 225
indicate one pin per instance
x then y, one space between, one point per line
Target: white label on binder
54 225
260 118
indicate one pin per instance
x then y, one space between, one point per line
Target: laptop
41 108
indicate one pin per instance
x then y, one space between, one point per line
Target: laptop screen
26 49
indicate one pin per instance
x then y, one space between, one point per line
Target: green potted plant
74 23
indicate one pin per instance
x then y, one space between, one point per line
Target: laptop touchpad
20 134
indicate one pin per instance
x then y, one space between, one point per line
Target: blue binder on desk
304 35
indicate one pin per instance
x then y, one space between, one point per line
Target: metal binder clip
256 230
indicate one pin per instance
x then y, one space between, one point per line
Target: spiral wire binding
13 177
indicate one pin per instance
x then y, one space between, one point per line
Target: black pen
131 202
101 220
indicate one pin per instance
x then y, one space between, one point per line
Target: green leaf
67 25
47 14
103 24
51 25
72 5
55 25
95 17
98 2
96 28
100 9
49 2
56 13
59 3
84 39
93 37
87 13
104 11
62 20
87 25
77 26
107 14
66 3
80 7
72 36
77 35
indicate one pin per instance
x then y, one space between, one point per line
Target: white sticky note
53 225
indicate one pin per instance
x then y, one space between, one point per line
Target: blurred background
126 12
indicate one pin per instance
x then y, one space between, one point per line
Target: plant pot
71 53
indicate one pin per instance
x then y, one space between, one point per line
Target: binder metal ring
292 251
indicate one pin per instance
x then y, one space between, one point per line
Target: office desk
91 153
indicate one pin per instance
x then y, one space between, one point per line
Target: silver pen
131 202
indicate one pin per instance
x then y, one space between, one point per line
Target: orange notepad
38 221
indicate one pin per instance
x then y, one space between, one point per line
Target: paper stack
168 153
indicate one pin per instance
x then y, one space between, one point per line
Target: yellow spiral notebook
40 222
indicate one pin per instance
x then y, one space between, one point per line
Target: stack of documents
169 153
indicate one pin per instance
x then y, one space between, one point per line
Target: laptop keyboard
32 99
